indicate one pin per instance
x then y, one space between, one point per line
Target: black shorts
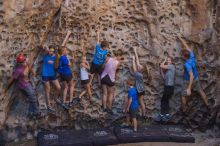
66 77
107 81
140 94
84 82
96 68
133 113
48 78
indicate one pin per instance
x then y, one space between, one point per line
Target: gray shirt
169 75
139 81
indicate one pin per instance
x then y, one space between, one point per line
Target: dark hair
104 44
119 52
171 58
51 47
185 54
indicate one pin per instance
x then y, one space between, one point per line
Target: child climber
49 76
66 76
132 105
101 51
139 81
84 76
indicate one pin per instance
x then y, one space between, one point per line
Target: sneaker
75 101
65 105
110 111
59 101
159 118
50 109
166 118
124 125
36 116
105 110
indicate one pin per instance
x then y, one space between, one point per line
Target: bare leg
88 88
71 90
110 98
92 76
99 79
184 102
128 119
204 97
57 88
82 93
141 100
65 91
134 123
47 89
104 98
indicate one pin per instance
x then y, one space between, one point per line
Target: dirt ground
208 142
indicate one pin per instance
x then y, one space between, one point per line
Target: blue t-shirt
190 65
48 68
100 55
132 93
63 67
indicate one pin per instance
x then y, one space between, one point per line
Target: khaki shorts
195 87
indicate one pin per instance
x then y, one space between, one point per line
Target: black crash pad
64 138
178 134
102 137
93 137
152 133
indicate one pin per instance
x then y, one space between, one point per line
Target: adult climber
191 80
169 69
20 75
108 78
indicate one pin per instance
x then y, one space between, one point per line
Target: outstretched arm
66 38
137 58
31 70
8 85
163 66
82 47
134 64
98 37
184 43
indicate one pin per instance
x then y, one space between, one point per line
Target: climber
132 105
108 80
20 75
169 68
136 71
49 75
84 76
66 76
101 50
191 80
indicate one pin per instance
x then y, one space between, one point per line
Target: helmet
20 58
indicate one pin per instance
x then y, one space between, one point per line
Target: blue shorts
48 78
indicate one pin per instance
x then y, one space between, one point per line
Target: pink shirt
110 69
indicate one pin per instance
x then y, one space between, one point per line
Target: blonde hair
130 82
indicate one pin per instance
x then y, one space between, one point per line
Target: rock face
151 26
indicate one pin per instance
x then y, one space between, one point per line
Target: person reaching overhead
101 51
21 76
169 69
49 76
191 80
